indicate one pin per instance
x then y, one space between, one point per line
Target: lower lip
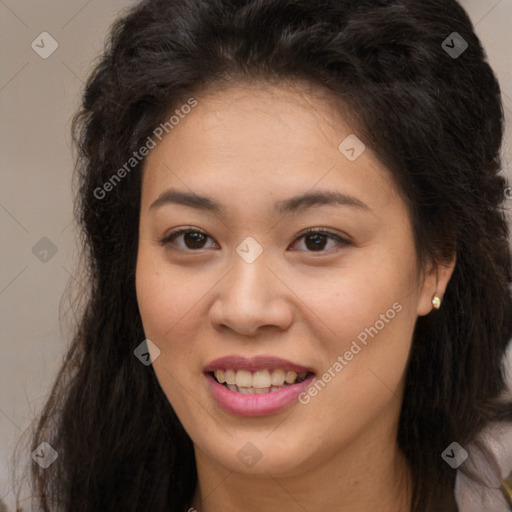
256 404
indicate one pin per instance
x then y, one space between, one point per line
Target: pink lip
257 404
254 364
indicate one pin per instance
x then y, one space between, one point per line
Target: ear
436 279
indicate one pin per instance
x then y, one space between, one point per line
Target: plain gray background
37 99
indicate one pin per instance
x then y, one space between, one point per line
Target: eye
194 239
315 239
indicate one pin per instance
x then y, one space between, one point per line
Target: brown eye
315 240
191 239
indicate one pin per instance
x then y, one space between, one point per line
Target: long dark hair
434 118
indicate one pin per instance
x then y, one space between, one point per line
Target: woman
293 211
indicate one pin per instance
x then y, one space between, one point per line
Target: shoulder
488 495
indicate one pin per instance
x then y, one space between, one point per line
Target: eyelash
167 240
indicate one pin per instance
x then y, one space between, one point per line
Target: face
311 331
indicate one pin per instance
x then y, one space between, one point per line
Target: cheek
164 297
371 312
363 295
163 304
153 299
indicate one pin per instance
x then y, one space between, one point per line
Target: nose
252 296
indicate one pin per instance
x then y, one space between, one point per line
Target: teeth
250 391
229 376
290 377
243 379
278 377
263 381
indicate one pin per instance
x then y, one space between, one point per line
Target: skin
246 147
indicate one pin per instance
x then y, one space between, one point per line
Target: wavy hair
435 121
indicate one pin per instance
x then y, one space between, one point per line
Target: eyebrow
295 204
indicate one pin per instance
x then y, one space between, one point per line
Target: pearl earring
436 301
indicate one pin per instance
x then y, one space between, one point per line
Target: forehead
251 141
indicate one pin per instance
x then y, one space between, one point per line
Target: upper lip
254 364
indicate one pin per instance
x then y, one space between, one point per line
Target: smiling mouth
258 382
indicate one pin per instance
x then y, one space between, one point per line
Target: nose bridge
249 283
250 273
249 296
